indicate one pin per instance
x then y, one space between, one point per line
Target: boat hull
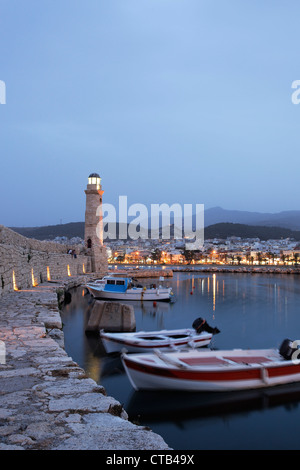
132 294
152 374
144 342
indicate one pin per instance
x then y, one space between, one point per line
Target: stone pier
47 402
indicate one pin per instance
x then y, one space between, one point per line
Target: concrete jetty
47 402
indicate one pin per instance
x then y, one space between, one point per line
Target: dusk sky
170 101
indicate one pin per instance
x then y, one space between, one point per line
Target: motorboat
167 340
217 371
123 288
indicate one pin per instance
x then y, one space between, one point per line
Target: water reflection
241 420
252 311
163 406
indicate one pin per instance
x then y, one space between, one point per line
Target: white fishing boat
145 341
226 370
167 340
123 288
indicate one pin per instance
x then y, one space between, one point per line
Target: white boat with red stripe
226 370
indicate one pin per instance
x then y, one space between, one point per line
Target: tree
155 255
189 255
283 258
271 256
232 257
259 257
224 257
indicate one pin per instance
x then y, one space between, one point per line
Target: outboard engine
201 325
286 349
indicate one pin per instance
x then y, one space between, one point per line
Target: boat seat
172 361
204 361
248 359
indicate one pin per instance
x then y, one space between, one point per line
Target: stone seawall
46 400
25 262
241 269
143 273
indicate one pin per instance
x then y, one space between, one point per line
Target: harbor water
252 311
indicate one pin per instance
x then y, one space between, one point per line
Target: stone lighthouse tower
93 234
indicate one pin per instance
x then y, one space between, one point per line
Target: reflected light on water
214 292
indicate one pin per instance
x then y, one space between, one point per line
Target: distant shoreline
242 269
273 269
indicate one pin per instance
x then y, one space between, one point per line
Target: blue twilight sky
174 101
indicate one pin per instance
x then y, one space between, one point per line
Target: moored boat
214 370
144 341
123 288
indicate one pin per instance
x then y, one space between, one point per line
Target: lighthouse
93 233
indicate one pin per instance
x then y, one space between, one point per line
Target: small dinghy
144 341
221 371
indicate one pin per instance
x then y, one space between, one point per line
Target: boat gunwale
135 340
211 376
155 362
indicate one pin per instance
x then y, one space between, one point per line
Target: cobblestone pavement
46 400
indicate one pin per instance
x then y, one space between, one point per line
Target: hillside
49 232
224 230
219 222
285 219
220 230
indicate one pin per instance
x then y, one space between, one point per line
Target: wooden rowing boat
145 341
167 340
198 370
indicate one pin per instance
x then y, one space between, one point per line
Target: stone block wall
25 262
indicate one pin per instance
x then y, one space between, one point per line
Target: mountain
217 221
216 215
49 232
220 230
224 230
285 219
